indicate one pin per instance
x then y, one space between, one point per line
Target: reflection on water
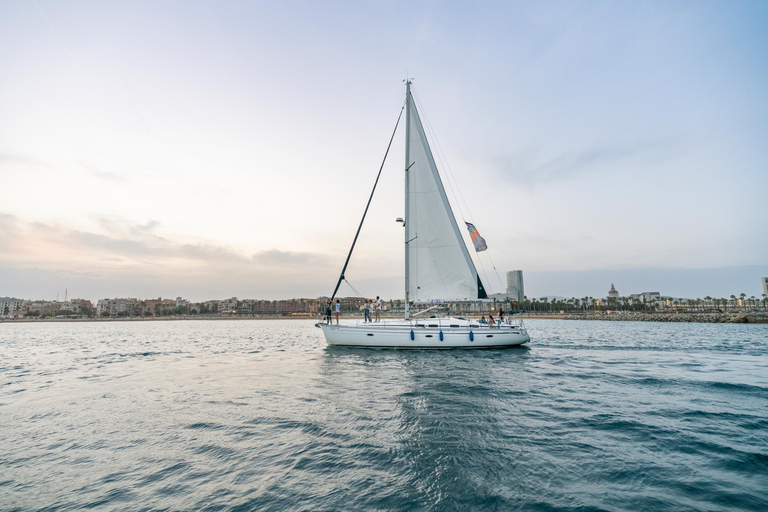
261 415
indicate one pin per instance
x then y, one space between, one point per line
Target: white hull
426 335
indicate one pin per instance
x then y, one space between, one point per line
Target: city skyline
719 283
222 149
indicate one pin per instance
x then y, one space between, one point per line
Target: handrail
425 310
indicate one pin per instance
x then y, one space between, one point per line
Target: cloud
9 160
118 246
277 257
108 176
120 258
529 167
95 171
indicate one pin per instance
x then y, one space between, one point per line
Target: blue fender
441 335
413 336
471 336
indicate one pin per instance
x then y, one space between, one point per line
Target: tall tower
613 294
515 289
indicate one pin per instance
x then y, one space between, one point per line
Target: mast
408 100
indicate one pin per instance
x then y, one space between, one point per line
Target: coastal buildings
119 307
160 307
646 296
9 305
14 308
130 307
515 288
20 308
227 305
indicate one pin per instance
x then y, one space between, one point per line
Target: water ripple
261 415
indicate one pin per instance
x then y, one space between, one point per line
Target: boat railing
447 322
444 323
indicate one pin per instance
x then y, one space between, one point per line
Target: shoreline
743 317
154 319
735 317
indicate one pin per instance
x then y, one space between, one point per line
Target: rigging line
501 283
344 269
443 160
449 170
353 288
451 179
64 45
487 281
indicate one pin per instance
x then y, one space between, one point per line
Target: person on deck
490 321
367 311
378 308
338 309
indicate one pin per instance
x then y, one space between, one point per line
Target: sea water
262 415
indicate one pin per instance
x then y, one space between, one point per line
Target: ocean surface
261 415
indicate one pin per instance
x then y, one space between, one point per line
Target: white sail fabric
438 261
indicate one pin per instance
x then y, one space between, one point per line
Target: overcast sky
211 149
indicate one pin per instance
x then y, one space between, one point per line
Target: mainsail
439 265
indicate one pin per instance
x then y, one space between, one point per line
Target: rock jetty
736 317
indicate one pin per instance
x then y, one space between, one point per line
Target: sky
215 149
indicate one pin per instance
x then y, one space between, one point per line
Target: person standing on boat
490 320
367 311
338 309
501 316
378 308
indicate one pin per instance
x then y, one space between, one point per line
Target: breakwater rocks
740 317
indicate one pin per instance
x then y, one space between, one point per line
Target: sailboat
438 267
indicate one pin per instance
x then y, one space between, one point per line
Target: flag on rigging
476 238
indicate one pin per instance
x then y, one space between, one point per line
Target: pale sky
212 149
